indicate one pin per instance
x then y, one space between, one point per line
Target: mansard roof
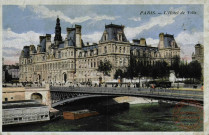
26 51
71 37
112 30
168 39
144 48
197 45
90 47
43 45
61 45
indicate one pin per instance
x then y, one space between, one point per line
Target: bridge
60 95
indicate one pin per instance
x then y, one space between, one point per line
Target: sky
22 25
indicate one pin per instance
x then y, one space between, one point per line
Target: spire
58 36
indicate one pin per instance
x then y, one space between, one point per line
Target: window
121 62
120 49
105 49
124 50
105 37
80 54
15 118
120 37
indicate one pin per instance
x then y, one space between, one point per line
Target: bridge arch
78 98
37 96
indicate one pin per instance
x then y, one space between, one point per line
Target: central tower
58 36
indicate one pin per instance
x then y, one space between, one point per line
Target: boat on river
72 115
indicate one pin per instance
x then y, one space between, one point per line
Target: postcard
104 67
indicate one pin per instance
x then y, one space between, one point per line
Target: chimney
143 42
41 38
78 36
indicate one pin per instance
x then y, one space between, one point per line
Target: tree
195 70
118 73
176 65
132 68
105 67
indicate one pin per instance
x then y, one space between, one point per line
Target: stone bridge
60 95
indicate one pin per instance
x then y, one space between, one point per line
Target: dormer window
119 36
105 36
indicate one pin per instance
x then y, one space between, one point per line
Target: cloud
13 43
44 12
187 41
152 42
189 38
18 40
161 21
137 19
22 7
92 38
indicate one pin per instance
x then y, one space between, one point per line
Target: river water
139 117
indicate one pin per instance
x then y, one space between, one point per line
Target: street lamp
139 78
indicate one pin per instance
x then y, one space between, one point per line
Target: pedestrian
152 88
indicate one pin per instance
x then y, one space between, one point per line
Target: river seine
139 117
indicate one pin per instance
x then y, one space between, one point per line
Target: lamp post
139 78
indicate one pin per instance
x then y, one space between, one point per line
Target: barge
79 114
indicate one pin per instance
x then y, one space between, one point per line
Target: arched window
124 50
120 50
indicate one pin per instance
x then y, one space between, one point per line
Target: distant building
3 72
199 55
10 73
14 73
69 60
3 76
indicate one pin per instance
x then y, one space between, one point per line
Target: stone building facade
68 60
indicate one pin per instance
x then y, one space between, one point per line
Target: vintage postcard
104 67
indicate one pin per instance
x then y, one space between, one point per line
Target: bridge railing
123 90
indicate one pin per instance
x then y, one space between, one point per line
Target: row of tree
159 69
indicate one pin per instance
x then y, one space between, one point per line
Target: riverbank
134 100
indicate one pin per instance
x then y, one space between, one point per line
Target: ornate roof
112 30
